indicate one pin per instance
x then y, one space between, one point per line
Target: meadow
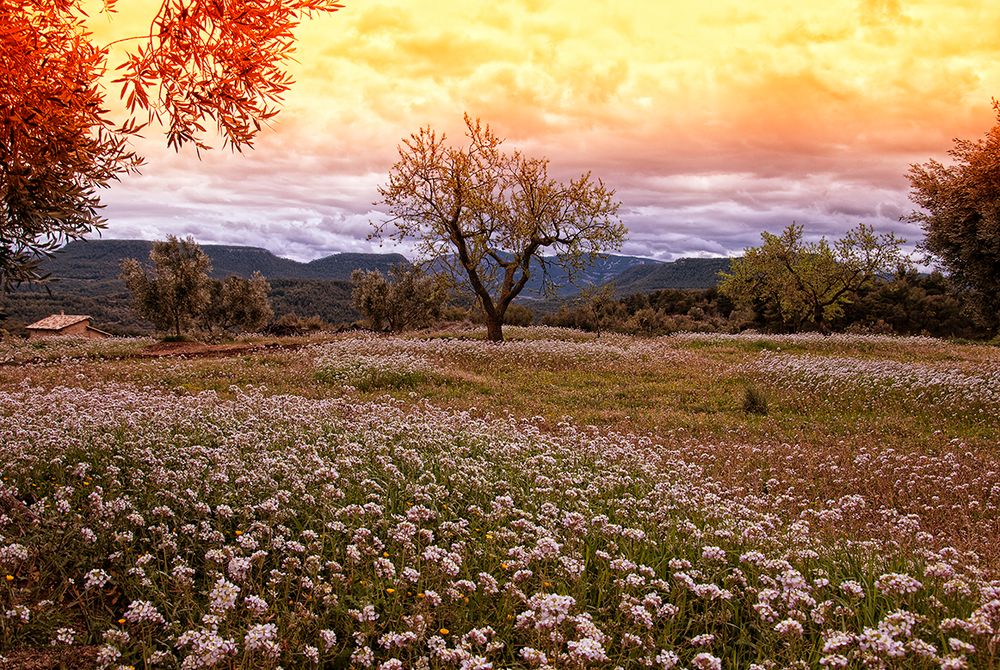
558 501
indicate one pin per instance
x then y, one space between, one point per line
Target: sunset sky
714 120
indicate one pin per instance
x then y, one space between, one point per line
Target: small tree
370 296
961 217
810 282
486 216
602 311
237 304
178 290
407 298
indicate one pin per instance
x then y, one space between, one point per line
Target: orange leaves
215 61
204 63
57 146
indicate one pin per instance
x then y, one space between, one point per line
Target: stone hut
61 325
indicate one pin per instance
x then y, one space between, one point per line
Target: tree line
906 303
174 292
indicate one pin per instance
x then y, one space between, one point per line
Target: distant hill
684 273
606 268
84 280
101 259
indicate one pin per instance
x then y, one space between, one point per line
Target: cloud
713 122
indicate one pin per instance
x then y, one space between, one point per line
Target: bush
754 401
408 298
649 321
519 315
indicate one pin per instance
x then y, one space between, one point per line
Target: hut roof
57 322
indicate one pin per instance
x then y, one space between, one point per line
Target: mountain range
101 260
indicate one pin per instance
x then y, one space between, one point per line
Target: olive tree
961 217
179 289
407 298
488 216
810 282
237 304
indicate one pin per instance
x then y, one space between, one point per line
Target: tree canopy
237 304
203 63
810 282
961 217
179 293
179 289
486 215
407 298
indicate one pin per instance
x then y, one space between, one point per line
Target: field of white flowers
148 526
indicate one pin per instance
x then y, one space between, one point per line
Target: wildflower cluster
60 350
544 348
811 339
362 368
835 376
263 530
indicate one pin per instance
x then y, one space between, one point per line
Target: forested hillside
84 280
101 259
688 273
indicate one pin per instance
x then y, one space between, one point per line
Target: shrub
407 299
519 315
754 401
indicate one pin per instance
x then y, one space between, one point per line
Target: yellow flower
547 584
390 591
385 554
504 566
421 595
238 533
9 578
121 621
444 631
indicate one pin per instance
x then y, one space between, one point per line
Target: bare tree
487 216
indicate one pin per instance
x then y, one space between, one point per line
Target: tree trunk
494 329
177 325
818 317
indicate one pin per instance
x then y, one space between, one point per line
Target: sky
713 120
